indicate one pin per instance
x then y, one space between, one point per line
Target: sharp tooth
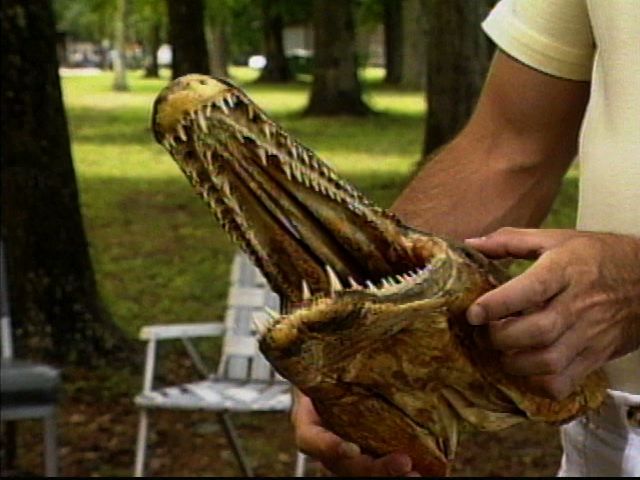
181 132
226 189
223 107
334 281
354 285
250 111
262 153
386 282
400 278
260 324
266 130
272 314
306 293
230 100
370 285
202 122
287 169
207 110
297 172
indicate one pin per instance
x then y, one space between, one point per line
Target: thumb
518 242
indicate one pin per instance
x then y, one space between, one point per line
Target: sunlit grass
158 253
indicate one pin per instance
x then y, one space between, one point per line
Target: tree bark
393 40
414 45
215 34
277 69
457 62
56 310
336 89
186 35
119 60
152 69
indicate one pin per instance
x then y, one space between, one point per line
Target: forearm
472 187
506 166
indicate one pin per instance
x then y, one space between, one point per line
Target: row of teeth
261 323
296 152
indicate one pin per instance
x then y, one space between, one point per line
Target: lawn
161 258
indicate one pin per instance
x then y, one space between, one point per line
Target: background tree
277 69
393 36
217 19
186 36
457 59
55 304
147 23
336 89
414 44
119 38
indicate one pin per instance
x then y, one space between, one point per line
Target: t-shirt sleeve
553 36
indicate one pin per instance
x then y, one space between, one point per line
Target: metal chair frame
244 381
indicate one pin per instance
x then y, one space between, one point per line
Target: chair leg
233 439
9 436
141 444
301 460
50 445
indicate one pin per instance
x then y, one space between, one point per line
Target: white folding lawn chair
244 381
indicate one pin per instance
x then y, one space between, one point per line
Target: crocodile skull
374 329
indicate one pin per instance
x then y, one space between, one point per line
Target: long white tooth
386 282
208 109
370 285
297 172
287 169
181 132
334 281
260 324
400 278
230 100
202 122
226 189
262 153
272 314
354 285
250 111
266 130
222 106
306 293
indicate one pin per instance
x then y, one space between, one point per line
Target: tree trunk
393 41
414 44
216 37
336 89
119 60
152 69
457 61
186 35
277 69
57 312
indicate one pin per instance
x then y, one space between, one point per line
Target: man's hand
574 309
340 457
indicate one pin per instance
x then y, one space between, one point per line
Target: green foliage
159 255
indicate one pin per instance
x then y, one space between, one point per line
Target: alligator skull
374 329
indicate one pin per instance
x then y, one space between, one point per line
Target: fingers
518 243
337 455
561 385
540 283
539 329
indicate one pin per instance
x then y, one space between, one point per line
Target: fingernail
400 465
476 315
349 450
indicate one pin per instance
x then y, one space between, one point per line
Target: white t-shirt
596 41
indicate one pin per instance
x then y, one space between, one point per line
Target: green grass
159 255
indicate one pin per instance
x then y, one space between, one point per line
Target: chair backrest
5 318
249 294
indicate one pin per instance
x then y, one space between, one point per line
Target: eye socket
203 82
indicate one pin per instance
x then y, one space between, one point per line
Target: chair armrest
181 330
